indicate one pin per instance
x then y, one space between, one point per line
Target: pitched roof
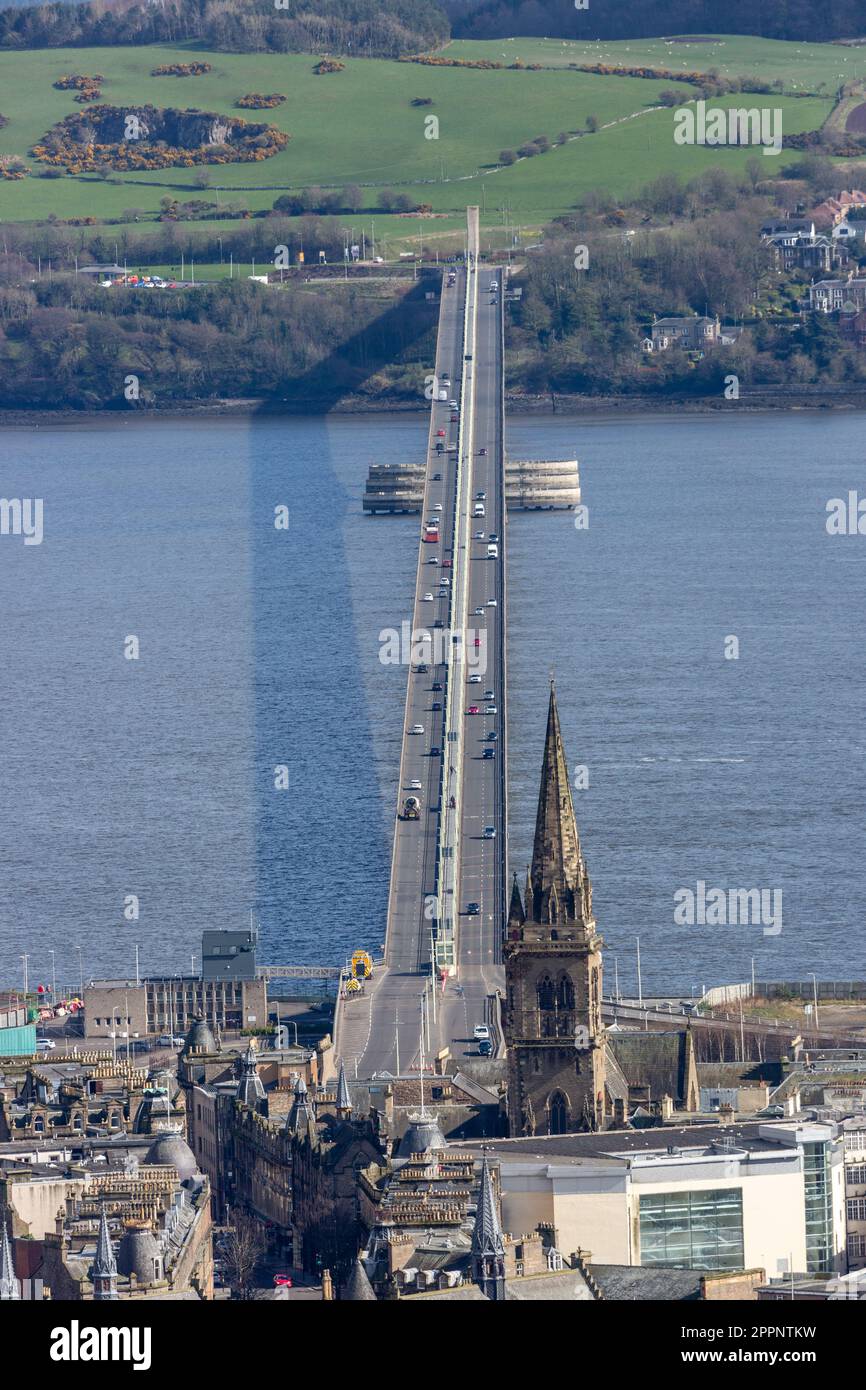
344 1101
630 1282
656 1061
357 1288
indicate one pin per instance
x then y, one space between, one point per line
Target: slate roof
550 1148
630 1282
653 1060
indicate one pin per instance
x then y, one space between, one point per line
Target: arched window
546 993
38 1124
565 992
558 1108
76 1123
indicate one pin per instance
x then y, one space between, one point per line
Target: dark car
422 668
492 736
489 753
437 705
437 477
472 909
437 685
435 752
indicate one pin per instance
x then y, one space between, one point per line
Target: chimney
327 1287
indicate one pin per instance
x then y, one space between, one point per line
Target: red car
282 1281
473 709
446 564
440 434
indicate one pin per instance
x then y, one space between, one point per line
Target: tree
507 156
241 1251
352 197
592 124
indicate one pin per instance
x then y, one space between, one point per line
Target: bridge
442 965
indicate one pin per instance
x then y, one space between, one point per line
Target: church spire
516 914
9 1287
103 1271
488 1246
344 1100
557 865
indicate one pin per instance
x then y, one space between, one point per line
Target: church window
546 993
565 992
558 1113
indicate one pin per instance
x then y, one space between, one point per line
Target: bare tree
241 1250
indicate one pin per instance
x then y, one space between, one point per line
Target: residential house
693 332
838 296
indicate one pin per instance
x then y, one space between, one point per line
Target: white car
480 1032
45 1044
488 695
434 560
478 536
415 784
479 612
438 507
428 598
489 832
491 603
417 729
491 709
452 405
474 680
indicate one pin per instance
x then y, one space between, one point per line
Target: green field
799 65
359 126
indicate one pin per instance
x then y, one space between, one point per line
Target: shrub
507 156
181 70
328 65
256 101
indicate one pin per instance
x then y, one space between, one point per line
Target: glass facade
819 1208
692 1230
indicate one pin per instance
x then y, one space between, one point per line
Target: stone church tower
553 1031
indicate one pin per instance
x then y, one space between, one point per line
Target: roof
549 1148
656 1061
629 1282
487 1232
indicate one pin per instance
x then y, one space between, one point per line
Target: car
455 419
436 705
422 668
440 434
494 537
437 685
439 446
489 753
473 909
45 1044
282 1281
434 560
478 535
491 603
435 751
494 286
485 1047
178 1042
492 736
468 357
428 598
437 506
480 1031
451 449
417 729
445 581
164 1040
445 379
479 612
438 623
473 709
437 477
481 497
452 405
483 453
489 832
446 564
474 680
477 642
488 695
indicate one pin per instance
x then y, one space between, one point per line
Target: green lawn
800 65
359 126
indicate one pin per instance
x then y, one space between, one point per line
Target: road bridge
443 966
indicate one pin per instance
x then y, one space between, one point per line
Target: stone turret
103 1271
488 1246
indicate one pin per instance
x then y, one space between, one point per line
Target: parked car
480 1031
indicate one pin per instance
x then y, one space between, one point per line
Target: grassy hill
359 126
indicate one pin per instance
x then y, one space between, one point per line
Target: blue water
259 650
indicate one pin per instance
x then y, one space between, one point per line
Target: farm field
479 113
800 65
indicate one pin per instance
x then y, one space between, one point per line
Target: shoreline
570 406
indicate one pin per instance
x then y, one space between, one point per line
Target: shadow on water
325 831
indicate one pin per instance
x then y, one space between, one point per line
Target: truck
442 394
411 808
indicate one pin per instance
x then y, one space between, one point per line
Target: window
856 1208
39 1124
855 1140
565 993
856 1173
857 1247
546 997
558 1108
692 1230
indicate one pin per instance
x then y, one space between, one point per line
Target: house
693 332
849 232
797 251
833 210
840 295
